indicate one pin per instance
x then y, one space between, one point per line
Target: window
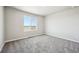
30 23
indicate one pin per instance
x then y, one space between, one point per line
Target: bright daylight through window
30 23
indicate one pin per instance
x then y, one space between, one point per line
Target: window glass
30 23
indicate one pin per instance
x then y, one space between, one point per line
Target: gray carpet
41 44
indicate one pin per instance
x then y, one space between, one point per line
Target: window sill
31 31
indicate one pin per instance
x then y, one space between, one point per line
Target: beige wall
14 24
1 27
64 24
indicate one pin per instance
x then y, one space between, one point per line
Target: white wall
64 24
1 28
15 25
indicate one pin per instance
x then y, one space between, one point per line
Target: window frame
36 27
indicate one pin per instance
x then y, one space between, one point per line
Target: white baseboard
62 38
22 38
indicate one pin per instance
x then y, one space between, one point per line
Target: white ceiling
42 10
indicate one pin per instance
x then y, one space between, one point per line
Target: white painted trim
12 40
39 35
62 38
22 38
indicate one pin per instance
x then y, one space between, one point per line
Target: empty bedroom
39 29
